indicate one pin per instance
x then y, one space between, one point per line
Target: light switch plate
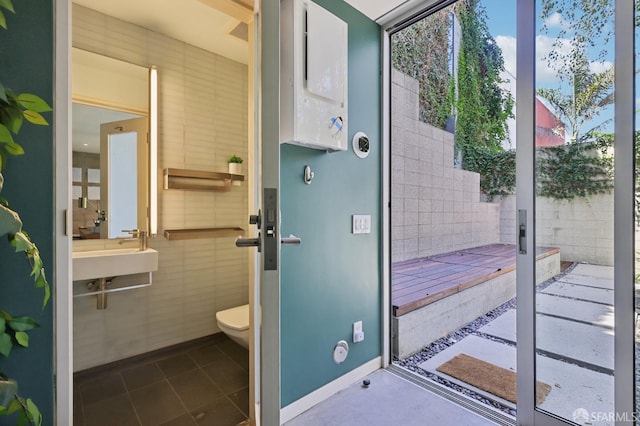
361 224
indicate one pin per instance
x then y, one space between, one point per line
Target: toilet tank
313 76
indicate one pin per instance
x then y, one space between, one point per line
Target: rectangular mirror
110 132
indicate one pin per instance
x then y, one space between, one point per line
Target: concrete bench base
417 329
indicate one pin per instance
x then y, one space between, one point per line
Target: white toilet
234 323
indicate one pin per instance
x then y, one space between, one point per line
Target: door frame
267 411
62 288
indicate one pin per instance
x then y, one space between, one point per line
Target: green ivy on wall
575 170
497 169
562 172
482 106
421 52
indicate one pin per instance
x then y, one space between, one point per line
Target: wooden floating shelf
190 234
198 179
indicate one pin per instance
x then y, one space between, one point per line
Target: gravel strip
412 363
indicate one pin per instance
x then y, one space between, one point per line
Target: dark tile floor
204 382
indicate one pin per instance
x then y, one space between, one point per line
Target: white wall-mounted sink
110 263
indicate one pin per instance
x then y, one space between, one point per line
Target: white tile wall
203 121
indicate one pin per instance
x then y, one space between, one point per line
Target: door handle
248 242
522 231
291 240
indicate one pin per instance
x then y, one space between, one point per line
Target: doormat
489 377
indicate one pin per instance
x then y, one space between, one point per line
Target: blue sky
501 20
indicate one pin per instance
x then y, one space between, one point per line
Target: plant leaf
23 323
21 242
23 419
22 338
12 118
7 5
3 328
5 344
13 148
3 20
34 413
33 102
10 222
5 135
3 95
14 406
34 117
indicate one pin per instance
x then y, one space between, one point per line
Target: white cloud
556 21
508 46
545 72
595 67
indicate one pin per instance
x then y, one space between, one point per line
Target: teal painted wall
334 278
26 65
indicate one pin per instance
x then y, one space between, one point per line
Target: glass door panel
574 211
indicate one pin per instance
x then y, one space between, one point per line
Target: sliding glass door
575 192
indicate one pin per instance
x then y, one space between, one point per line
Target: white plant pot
235 169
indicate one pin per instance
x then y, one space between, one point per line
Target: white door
124 165
265 220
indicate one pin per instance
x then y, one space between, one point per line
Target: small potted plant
235 165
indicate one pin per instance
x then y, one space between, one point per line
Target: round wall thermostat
361 145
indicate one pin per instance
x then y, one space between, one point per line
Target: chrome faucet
137 235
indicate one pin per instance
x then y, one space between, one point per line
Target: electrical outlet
358 334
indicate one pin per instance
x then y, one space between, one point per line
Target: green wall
26 65
334 278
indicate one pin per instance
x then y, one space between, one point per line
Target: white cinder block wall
582 228
203 121
435 208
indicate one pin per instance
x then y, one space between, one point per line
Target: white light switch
361 224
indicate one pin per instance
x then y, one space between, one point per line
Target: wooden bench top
419 282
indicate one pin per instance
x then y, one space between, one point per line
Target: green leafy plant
497 169
235 159
14 110
562 172
575 170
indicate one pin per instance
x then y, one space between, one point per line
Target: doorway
209 274
441 240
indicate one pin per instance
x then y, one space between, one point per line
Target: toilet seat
235 318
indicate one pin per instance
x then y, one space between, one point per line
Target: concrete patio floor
574 337
389 400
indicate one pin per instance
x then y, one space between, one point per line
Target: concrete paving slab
599 295
572 387
581 342
593 270
593 313
503 327
499 354
588 281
